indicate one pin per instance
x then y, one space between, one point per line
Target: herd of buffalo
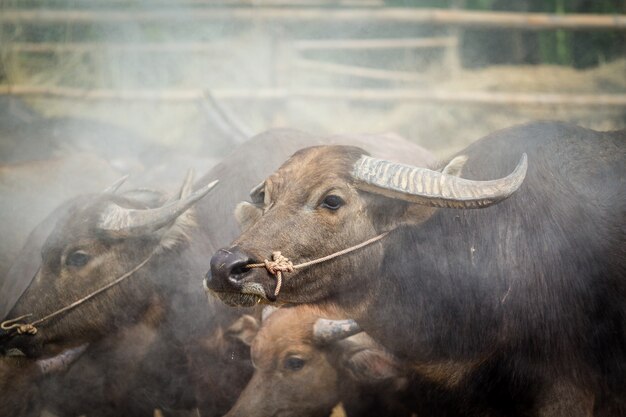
326 270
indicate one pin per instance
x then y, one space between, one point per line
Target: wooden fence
386 95
295 60
452 17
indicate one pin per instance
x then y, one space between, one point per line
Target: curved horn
433 188
136 222
328 331
111 189
61 361
186 188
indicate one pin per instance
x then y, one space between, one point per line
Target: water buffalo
305 364
506 286
100 237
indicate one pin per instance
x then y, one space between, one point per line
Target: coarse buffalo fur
517 309
185 342
355 371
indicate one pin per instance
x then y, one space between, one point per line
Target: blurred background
442 73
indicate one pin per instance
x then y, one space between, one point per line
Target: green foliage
560 47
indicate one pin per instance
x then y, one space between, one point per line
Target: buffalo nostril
238 270
228 269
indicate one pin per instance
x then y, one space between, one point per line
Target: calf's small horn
328 331
124 221
433 188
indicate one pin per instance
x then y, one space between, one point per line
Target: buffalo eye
294 363
332 202
78 258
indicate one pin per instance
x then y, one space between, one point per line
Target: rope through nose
276 267
280 263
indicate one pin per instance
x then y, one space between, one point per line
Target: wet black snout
228 269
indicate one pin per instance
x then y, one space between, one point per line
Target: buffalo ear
368 362
244 328
391 213
372 365
247 214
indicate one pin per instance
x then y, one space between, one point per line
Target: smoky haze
151 89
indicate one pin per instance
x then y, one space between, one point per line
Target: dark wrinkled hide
513 310
162 309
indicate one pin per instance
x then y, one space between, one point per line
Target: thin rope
29 328
280 264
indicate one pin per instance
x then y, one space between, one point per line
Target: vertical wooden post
452 54
279 68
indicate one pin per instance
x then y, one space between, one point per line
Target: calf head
99 239
328 198
304 363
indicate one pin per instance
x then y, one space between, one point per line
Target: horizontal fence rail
182 46
355 71
369 44
68 47
222 3
457 97
452 17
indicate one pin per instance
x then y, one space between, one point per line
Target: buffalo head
306 364
328 198
98 239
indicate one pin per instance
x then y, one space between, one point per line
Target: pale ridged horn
329 331
125 222
433 188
